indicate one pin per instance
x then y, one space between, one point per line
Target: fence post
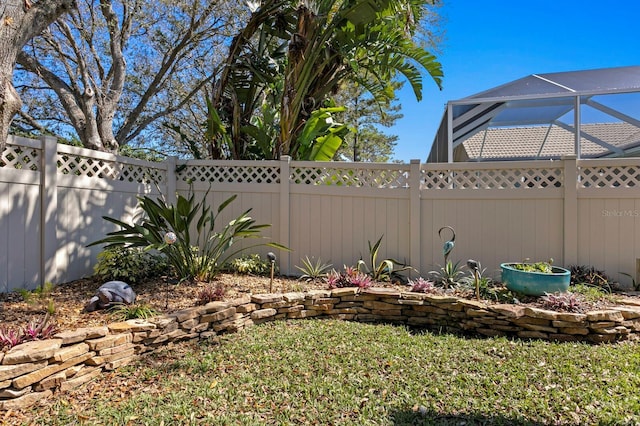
172 180
285 200
570 210
49 211
415 230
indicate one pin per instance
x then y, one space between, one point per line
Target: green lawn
342 373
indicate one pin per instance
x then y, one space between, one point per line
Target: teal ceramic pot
535 283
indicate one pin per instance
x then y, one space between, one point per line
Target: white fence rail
53 197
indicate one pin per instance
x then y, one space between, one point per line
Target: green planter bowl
535 283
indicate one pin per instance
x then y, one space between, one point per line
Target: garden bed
30 372
70 298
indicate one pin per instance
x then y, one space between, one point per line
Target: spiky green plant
313 271
194 224
123 312
383 270
449 275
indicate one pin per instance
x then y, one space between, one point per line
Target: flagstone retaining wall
33 371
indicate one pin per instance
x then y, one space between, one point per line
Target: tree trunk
19 23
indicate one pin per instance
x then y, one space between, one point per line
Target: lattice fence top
493 178
20 157
229 174
354 177
609 177
78 165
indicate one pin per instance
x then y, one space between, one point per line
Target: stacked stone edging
34 370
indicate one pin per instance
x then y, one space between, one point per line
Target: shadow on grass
424 416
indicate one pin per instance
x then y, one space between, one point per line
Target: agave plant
384 270
313 271
449 275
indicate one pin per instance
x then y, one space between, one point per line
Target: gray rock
109 294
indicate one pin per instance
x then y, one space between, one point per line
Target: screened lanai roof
536 115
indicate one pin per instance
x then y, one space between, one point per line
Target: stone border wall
32 371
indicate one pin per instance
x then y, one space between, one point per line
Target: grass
343 373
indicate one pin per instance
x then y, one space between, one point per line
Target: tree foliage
367 118
21 21
113 69
221 79
326 42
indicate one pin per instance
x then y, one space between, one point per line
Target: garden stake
475 267
169 239
272 258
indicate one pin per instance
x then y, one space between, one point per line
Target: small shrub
313 271
420 285
588 275
250 264
565 302
449 276
123 312
128 264
351 277
211 294
543 267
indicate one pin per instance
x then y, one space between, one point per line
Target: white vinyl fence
53 197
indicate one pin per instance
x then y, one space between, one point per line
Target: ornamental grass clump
123 312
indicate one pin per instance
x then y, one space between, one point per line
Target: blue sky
491 42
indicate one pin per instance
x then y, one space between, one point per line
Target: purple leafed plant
35 330
567 302
211 294
351 277
420 285
9 337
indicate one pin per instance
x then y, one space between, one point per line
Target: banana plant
321 136
309 48
337 40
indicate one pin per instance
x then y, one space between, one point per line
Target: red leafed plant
351 277
35 330
211 294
